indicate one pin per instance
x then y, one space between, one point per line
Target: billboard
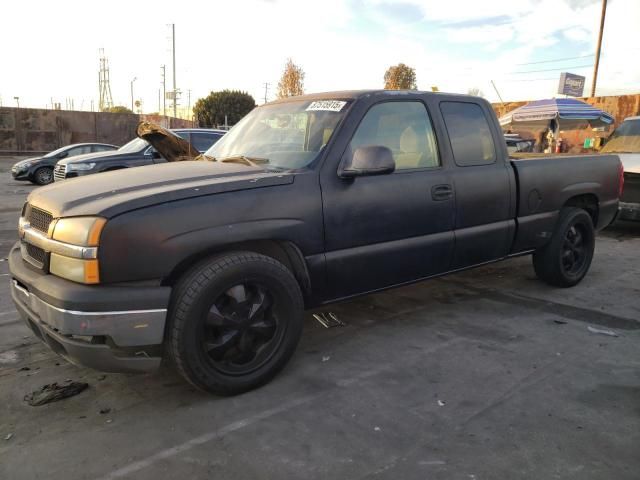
571 84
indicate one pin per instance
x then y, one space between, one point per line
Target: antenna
106 100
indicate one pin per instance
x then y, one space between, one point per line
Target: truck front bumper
108 328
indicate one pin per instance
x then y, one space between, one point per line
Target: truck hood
112 193
92 157
172 147
630 162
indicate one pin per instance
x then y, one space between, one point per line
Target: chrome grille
38 219
60 172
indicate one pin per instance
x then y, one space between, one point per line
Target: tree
118 109
210 111
292 81
400 77
476 92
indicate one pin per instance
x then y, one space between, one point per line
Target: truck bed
544 183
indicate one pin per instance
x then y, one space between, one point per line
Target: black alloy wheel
242 330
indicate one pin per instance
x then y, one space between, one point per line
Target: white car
625 142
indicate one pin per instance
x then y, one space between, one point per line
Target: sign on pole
571 84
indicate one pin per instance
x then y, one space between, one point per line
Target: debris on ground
441 403
53 392
24 369
560 322
328 319
101 378
104 411
602 331
326 359
8 436
377 429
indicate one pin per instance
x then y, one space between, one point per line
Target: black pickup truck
307 201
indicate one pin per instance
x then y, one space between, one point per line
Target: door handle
441 192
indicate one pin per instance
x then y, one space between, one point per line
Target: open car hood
172 147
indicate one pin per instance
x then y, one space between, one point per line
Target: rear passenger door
388 229
484 184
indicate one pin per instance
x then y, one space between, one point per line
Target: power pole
189 108
496 89
175 89
597 64
266 90
106 101
164 92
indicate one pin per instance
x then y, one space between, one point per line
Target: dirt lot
487 374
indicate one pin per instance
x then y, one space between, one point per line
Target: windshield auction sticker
327 105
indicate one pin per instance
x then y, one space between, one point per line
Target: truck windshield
283 135
625 139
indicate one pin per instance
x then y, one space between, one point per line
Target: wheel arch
588 202
284 251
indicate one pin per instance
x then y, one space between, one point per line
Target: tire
234 322
566 259
43 176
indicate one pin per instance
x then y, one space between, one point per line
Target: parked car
136 153
307 201
625 142
39 170
515 143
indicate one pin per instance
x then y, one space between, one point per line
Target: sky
50 49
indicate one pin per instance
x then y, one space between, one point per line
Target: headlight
80 166
81 232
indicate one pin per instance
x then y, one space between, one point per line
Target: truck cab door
388 229
484 183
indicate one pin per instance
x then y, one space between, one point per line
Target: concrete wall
620 106
24 130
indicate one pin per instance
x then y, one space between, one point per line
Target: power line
555 60
575 67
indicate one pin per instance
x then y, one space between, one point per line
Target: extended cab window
404 128
469 134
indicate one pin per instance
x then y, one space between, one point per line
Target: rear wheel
43 176
235 321
566 259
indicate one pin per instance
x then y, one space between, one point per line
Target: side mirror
368 160
153 153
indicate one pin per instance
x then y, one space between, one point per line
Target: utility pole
266 90
496 89
189 109
133 80
164 93
175 89
597 64
17 99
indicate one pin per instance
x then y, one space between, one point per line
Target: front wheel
234 323
43 176
566 259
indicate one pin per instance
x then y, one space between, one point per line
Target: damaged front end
172 147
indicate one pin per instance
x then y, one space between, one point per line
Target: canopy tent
556 114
